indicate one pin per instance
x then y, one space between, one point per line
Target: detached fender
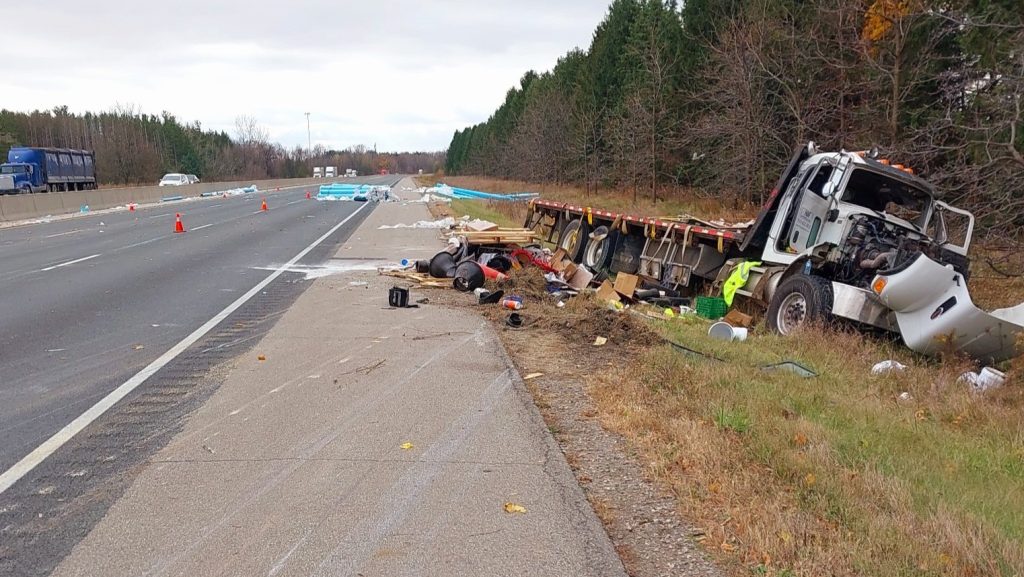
934 312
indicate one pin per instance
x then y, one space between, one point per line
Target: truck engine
874 245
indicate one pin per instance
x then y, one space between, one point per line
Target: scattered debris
444 223
406 446
514 508
600 341
981 381
367 369
726 332
887 366
261 357
532 376
398 297
791 367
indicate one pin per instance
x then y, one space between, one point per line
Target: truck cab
30 169
18 178
842 218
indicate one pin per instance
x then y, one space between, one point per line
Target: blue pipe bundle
451 192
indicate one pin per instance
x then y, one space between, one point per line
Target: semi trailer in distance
33 169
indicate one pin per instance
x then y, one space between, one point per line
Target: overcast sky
401 74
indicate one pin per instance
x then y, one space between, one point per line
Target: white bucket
725 332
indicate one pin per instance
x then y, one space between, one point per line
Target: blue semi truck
47 170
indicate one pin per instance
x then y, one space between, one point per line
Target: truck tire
598 253
799 300
25 189
573 238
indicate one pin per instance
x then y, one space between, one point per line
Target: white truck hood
934 311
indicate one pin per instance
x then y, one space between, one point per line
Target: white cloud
401 74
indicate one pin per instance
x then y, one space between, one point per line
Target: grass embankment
841 474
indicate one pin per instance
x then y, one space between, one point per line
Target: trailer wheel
573 238
799 300
598 253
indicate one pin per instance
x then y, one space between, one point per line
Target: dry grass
833 475
676 202
997 274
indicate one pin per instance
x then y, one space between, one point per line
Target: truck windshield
6 169
881 193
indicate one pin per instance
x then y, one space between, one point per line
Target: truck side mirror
833 215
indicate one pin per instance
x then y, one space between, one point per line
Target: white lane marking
48 447
293 202
143 242
62 233
77 260
204 226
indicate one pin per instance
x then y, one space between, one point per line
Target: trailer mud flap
934 312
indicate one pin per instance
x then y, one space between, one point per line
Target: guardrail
25 206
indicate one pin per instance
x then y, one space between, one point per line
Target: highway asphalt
86 303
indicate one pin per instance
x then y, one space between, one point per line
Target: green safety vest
737 279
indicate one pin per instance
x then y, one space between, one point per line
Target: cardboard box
558 259
569 271
626 284
582 278
738 319
607 292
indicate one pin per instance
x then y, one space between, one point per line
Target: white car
174 179
192 179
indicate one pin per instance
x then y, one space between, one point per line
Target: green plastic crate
711 307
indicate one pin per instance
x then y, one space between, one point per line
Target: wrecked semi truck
842 235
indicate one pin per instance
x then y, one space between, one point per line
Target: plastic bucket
723 331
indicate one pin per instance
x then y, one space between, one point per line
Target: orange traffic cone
131 207
264 206
178 227
308 196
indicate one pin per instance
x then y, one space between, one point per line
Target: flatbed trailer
670 252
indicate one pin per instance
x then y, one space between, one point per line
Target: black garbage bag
500 263
442 265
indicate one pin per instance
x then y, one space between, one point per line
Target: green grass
504 214
926 486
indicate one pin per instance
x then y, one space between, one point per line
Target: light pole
309 138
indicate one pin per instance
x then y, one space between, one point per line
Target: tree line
714 95
136 148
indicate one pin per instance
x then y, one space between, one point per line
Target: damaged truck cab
842 235
841 218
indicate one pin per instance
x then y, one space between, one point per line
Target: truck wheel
574 238
598 253
25 189
799 300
